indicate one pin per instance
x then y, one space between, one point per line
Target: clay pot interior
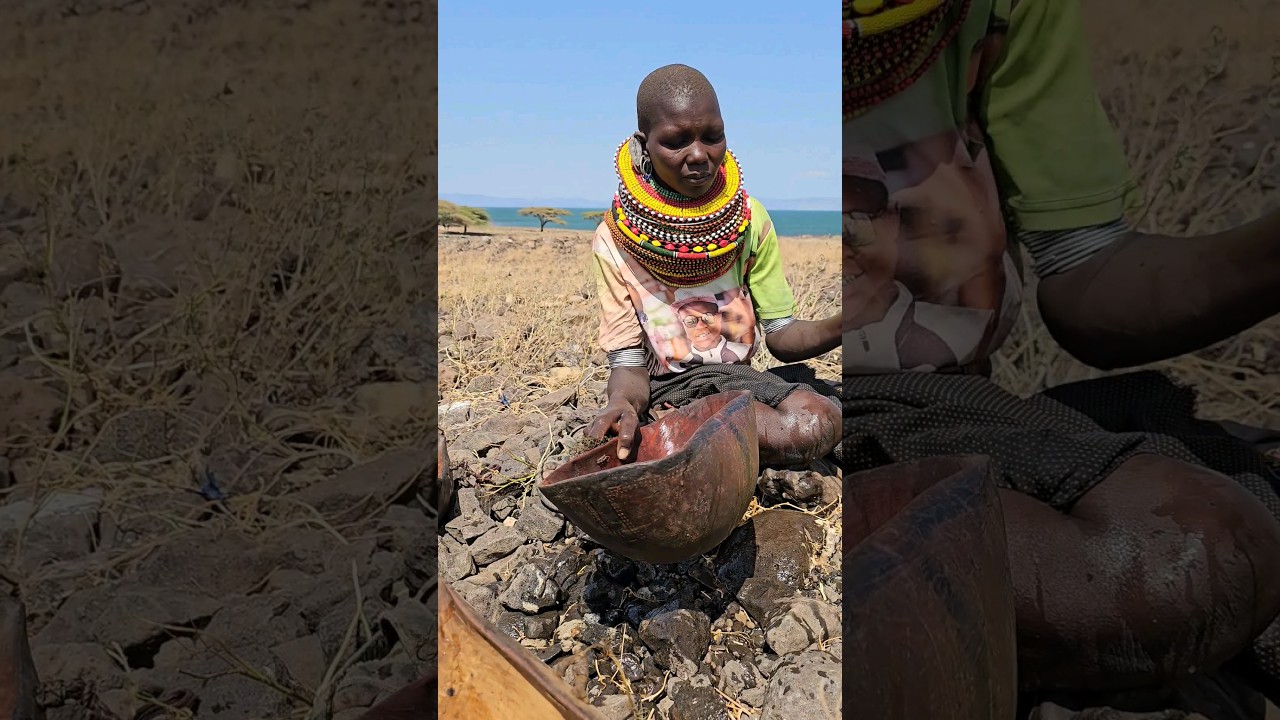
658 440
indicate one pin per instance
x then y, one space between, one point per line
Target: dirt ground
217 355
520 378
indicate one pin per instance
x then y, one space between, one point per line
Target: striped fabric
773 326
1057 251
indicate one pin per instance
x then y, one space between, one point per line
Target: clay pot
692 480
928 600
18 681
485 675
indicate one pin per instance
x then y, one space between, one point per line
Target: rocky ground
749 630
204 542
217 344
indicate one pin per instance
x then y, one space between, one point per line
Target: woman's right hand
618 417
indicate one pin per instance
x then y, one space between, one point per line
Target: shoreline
552 232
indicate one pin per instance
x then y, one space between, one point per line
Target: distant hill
491 201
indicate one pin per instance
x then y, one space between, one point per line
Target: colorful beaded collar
683 242
890 44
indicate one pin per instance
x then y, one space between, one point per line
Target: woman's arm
1147 298
1112 297
801 340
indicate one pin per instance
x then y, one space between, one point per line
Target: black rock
676 636
510 623
531 590
632 666
541 627
695 702
594 633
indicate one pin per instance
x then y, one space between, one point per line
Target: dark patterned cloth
1054 446
1057 445
769 387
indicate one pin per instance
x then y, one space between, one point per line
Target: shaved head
667 87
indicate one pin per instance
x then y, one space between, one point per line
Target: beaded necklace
887 50
681 241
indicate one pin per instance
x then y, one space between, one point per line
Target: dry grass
535 292
302 139
313 180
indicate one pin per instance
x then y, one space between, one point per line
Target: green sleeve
770 292
1059 162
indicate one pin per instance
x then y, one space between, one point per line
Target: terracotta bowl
928 601
688 487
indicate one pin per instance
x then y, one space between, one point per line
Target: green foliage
545 215
463 216
596 215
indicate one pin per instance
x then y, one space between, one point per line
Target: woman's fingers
603 423
621 421
627 424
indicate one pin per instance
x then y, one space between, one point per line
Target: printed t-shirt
684 327
1005 129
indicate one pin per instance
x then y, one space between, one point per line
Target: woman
681 233
1136 561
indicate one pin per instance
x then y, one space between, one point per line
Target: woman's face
686 145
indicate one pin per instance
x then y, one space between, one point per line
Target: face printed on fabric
863 195
686 144
738 321
702 324
869 258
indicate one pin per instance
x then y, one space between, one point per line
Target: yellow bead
866 7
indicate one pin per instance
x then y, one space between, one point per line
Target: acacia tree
545 215
461 215
593 215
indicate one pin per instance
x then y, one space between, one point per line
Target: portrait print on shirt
685 327
717 329
928 278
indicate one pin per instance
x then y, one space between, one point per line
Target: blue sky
535 97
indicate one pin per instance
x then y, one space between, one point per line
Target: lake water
787 222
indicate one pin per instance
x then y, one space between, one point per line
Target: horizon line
513 203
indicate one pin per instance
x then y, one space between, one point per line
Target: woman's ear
637 152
